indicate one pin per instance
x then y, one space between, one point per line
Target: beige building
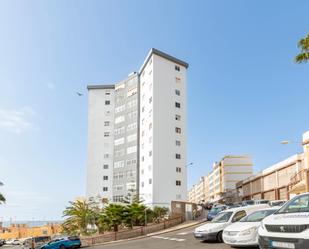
281 181
222 179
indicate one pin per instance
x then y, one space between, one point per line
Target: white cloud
17 121
51 85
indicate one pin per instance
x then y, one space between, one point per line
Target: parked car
278 203
35 242
288 227
2 242
213 230
63 243
245 232
214 211
16 242
254 202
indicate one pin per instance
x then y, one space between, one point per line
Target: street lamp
189 164
284 142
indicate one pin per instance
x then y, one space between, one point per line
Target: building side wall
165 81
100 143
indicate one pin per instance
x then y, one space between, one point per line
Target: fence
130 233
298 177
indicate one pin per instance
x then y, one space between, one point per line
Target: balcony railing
297 178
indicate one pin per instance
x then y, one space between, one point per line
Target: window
178 183
106 123
150 87
105 189
119 141
132 126
150 153
178 156
149 167
178 143
120 108
119 119
118 175
105 166
142 184
178 169
117 198
107 113
118 187
107 93
177 92
178 197
150 99
131 173
131 138
150 126
143 158
239 215
150 181
150 140
131 162
106 155
177 104
177 79
107 102
150 72
118 164
177 68
142 172
177 117
131 149
143 109
105 178
106 134
143 133
177 130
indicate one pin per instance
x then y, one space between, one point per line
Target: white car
213 230
288 227
245 232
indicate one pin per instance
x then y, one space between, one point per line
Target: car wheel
219 237
61 247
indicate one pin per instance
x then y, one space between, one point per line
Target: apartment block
222 179
146 142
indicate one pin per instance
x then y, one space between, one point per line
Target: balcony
298 182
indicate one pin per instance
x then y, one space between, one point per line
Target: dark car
214 211
2 242
63 243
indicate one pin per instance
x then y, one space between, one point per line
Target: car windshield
222 217
258 215
216 210
296 205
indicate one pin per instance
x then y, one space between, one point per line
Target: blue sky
245 93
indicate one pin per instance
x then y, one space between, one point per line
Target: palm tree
303 56
135 214
79 215
114 215
2 198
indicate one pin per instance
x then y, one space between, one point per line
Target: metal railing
130 233
297 178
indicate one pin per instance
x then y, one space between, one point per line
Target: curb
146 236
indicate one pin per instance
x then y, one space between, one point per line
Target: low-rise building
280 181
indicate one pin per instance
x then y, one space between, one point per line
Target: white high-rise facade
147 140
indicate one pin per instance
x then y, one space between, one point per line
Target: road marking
168 238
185 233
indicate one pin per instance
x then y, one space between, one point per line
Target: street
177 239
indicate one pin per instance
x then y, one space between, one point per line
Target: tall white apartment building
146 145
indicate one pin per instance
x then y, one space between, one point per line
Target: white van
245 231
288 227
213 230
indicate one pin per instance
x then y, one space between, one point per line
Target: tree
303 56
113 215
2 198
135 214
158 212
80 215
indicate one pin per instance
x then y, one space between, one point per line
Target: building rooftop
163 55
89 87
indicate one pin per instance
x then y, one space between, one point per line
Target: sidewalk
186 224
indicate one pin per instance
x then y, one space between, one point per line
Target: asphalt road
172 240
